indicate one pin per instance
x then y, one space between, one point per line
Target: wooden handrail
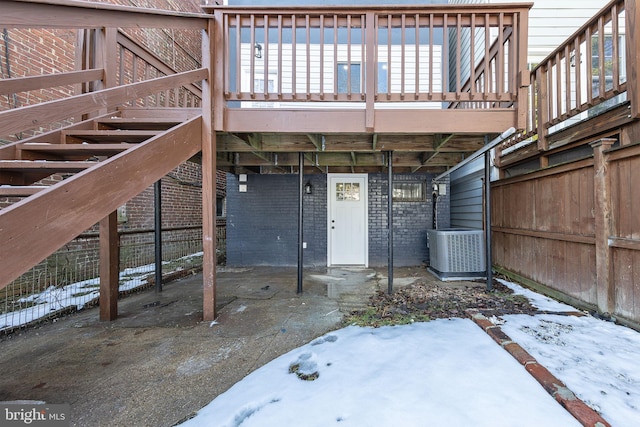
306 60
569 82
34 115
80 14
150 58
24 84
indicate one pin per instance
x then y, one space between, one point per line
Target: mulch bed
423 301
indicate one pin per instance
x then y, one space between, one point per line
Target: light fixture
257 50
308 188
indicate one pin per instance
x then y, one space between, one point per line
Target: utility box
457 253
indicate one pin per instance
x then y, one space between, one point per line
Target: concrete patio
158 363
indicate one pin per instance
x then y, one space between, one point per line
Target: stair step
106 136
41 165
159 124
20 190
86 150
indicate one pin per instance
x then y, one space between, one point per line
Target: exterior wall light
308 188
257 50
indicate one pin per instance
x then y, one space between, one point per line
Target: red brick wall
41 51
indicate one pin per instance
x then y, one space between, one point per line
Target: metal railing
69 279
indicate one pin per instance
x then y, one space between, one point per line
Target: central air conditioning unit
457 253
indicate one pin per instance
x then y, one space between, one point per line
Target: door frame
365 193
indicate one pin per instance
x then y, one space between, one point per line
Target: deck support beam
208 150
109 267
487 216
300 219
157 218
390 222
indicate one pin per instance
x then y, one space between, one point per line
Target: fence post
603 226
109 267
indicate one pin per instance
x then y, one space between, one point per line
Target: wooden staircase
99 165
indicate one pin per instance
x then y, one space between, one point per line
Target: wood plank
20 190
623 279
75 14
25 84
603 229
53 166
414 121
99 136
18 120
208 147
67 209
74 150
134 123
109 267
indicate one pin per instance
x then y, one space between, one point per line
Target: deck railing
106 58
588 69
373 55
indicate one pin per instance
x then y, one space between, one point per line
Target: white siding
551 22
329 67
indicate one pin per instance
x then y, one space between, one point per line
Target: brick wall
262 223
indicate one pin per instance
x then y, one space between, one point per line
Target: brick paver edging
556 388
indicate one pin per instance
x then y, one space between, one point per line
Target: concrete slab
159 363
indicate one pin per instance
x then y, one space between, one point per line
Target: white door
348 224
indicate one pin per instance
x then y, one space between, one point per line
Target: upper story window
348 77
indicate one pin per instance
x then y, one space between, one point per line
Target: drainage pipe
157 217
390 223
300 217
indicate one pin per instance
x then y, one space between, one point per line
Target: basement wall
262 224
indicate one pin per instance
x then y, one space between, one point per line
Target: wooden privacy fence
575 229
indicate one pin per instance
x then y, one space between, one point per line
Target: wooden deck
346 84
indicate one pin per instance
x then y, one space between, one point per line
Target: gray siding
466 195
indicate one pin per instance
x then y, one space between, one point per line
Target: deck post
300 219
157 235
487 215
632 16
109 267
208 184
390 223
371 74
603 226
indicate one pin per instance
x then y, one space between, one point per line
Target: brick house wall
262 224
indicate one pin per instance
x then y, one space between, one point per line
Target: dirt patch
423 301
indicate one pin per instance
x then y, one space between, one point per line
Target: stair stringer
36 227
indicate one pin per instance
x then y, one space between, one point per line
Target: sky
446 372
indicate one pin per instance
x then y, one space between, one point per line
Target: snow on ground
597 360
74 295
441 373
